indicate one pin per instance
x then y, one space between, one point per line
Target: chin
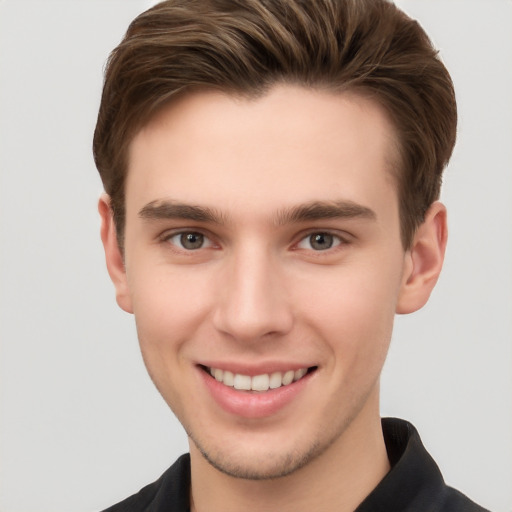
260 464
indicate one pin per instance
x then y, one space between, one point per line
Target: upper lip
255 369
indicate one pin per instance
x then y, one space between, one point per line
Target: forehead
289 146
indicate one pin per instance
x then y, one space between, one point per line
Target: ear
424 260
113 255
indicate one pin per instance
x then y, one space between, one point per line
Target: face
264 265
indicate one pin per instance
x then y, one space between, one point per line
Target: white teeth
288 377
299 374
276 380
262 382
242 382
229 378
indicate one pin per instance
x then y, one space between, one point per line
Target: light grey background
80 423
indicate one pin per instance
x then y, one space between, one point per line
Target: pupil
321 241
191 240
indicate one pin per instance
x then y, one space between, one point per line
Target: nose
253 302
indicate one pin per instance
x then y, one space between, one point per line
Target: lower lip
248 404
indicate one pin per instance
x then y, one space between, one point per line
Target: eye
189 240
319 241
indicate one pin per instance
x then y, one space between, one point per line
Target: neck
337 480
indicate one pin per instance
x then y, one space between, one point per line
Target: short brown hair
246 46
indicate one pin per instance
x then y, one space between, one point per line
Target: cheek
167 315
354 311
168 307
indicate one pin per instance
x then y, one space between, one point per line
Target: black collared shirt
414 483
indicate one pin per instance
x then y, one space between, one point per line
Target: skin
258 293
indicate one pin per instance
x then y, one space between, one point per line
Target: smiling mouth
260 383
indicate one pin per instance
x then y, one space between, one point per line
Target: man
272 171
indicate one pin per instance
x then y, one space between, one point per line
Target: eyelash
167 237
337 240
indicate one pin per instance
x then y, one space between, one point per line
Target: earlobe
424 260
113 255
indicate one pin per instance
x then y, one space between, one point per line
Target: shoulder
414 483
170 492
455 501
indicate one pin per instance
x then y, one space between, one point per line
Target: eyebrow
315 210
169 209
